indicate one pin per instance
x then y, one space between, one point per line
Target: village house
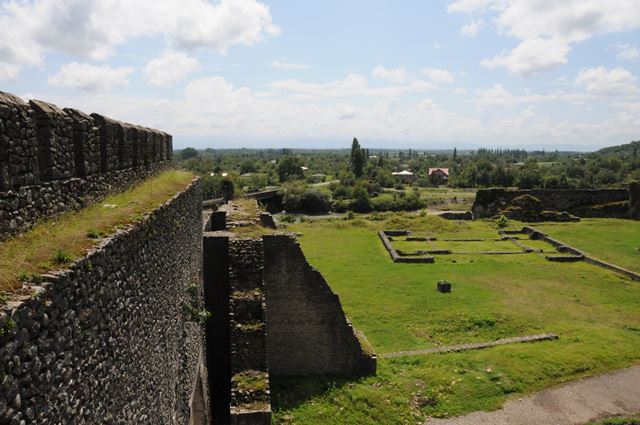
439 175
404 176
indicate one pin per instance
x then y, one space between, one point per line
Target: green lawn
615 241
396 305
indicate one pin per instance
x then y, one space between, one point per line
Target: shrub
502 222
61 257
93 233
302 199
401 202
361 202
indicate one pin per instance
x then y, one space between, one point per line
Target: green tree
289 167
361 201
357 158
187 153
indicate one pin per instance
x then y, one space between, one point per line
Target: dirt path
575 403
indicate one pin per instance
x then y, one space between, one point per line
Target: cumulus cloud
170 68
283 64
627 52
609 82
438 75
531 56
553 24
468 6
215 110
395 75
89 77
472 28
92 29
351 85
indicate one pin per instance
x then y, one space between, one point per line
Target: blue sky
283 73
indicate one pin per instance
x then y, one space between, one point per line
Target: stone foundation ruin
557 204
277 316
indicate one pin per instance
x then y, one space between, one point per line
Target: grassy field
396 305
53 243
615 241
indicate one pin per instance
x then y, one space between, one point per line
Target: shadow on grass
290 392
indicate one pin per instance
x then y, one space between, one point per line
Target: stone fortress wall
54 160
117 338
598 203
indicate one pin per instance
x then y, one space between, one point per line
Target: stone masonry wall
634 200
250 394
18 146
54 160
579 202
116 338
54 133
307 331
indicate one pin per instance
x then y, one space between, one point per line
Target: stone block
444 286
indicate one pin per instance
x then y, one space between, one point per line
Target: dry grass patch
53 243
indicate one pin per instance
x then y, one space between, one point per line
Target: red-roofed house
439 175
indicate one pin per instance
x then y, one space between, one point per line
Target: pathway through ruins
575 403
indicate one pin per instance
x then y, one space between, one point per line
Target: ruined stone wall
250 394
117 338
634 200
54 160
307 332
579 202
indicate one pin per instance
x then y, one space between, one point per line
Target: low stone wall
118 337
307 331
54 160
579 202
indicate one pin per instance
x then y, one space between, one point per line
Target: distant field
594 311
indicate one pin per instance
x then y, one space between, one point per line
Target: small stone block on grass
444 286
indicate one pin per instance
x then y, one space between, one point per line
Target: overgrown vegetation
54 243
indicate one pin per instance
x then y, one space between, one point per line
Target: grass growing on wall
593 310
53 243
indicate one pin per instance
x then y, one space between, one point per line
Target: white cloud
92 29
395 75
427 104
438 75
601 81
282 64
472 28
8 72
89 77
627 52
351 85
531 56
556 25
570 20
170 68
497 95
467 6
215 112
